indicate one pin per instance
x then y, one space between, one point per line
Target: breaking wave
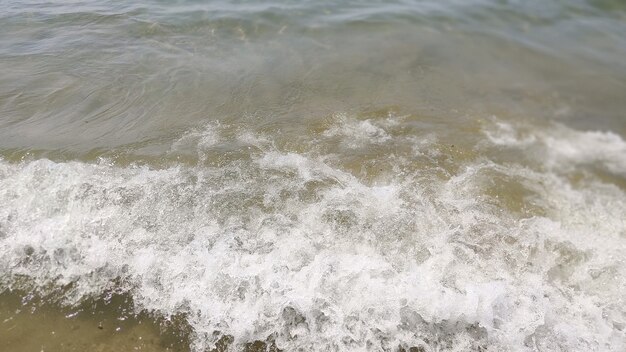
519 246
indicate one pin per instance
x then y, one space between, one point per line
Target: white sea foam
291 246
563 147
574 147
357 133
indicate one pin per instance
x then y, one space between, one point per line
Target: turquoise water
324 175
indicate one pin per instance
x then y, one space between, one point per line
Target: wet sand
30 323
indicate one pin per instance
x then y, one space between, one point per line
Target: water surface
315 175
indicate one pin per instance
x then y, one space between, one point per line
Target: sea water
313 176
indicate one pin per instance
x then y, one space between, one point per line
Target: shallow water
107 324
332 175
